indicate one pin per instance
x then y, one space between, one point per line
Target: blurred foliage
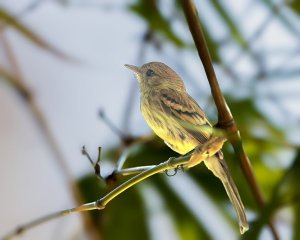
257 148
275 8
126 217
261 137
130 224
234 31
187 225
284 194
296 226
294 5
157 22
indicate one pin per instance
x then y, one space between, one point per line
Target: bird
177 119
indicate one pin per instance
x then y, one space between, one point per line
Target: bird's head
155 75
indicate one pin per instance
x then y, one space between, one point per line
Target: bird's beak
135 69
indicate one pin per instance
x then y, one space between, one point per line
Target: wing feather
185 110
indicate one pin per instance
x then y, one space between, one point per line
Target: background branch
21 87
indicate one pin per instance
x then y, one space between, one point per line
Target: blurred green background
61 62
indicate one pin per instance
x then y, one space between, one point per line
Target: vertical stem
225 118
196 31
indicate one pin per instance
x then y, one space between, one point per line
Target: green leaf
187 225
290 191
296 222
92 189
155 152
123 218
150 12
248 118
234 31
284 192
213 46
126 217
294 5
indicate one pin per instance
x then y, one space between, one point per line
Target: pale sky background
70 95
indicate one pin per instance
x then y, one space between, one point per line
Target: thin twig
171 163
125 138
96 165
25 227
225 118
110 124
85 153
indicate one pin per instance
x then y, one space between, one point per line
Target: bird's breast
166 127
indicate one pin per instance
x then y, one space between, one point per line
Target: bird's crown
157 74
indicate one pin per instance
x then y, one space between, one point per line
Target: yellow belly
178 139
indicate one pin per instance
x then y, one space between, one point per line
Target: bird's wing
184 109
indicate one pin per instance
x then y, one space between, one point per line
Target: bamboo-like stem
225 118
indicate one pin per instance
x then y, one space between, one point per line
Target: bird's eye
149 73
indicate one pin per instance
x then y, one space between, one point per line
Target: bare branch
202 152
23 228
95 165
170 164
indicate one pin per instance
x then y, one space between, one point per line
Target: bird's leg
206 150
139 169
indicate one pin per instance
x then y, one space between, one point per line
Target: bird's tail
218 166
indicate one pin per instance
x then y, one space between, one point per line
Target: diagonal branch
170 164
225 118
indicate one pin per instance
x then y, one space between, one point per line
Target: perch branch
170 164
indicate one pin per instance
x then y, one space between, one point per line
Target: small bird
177 119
